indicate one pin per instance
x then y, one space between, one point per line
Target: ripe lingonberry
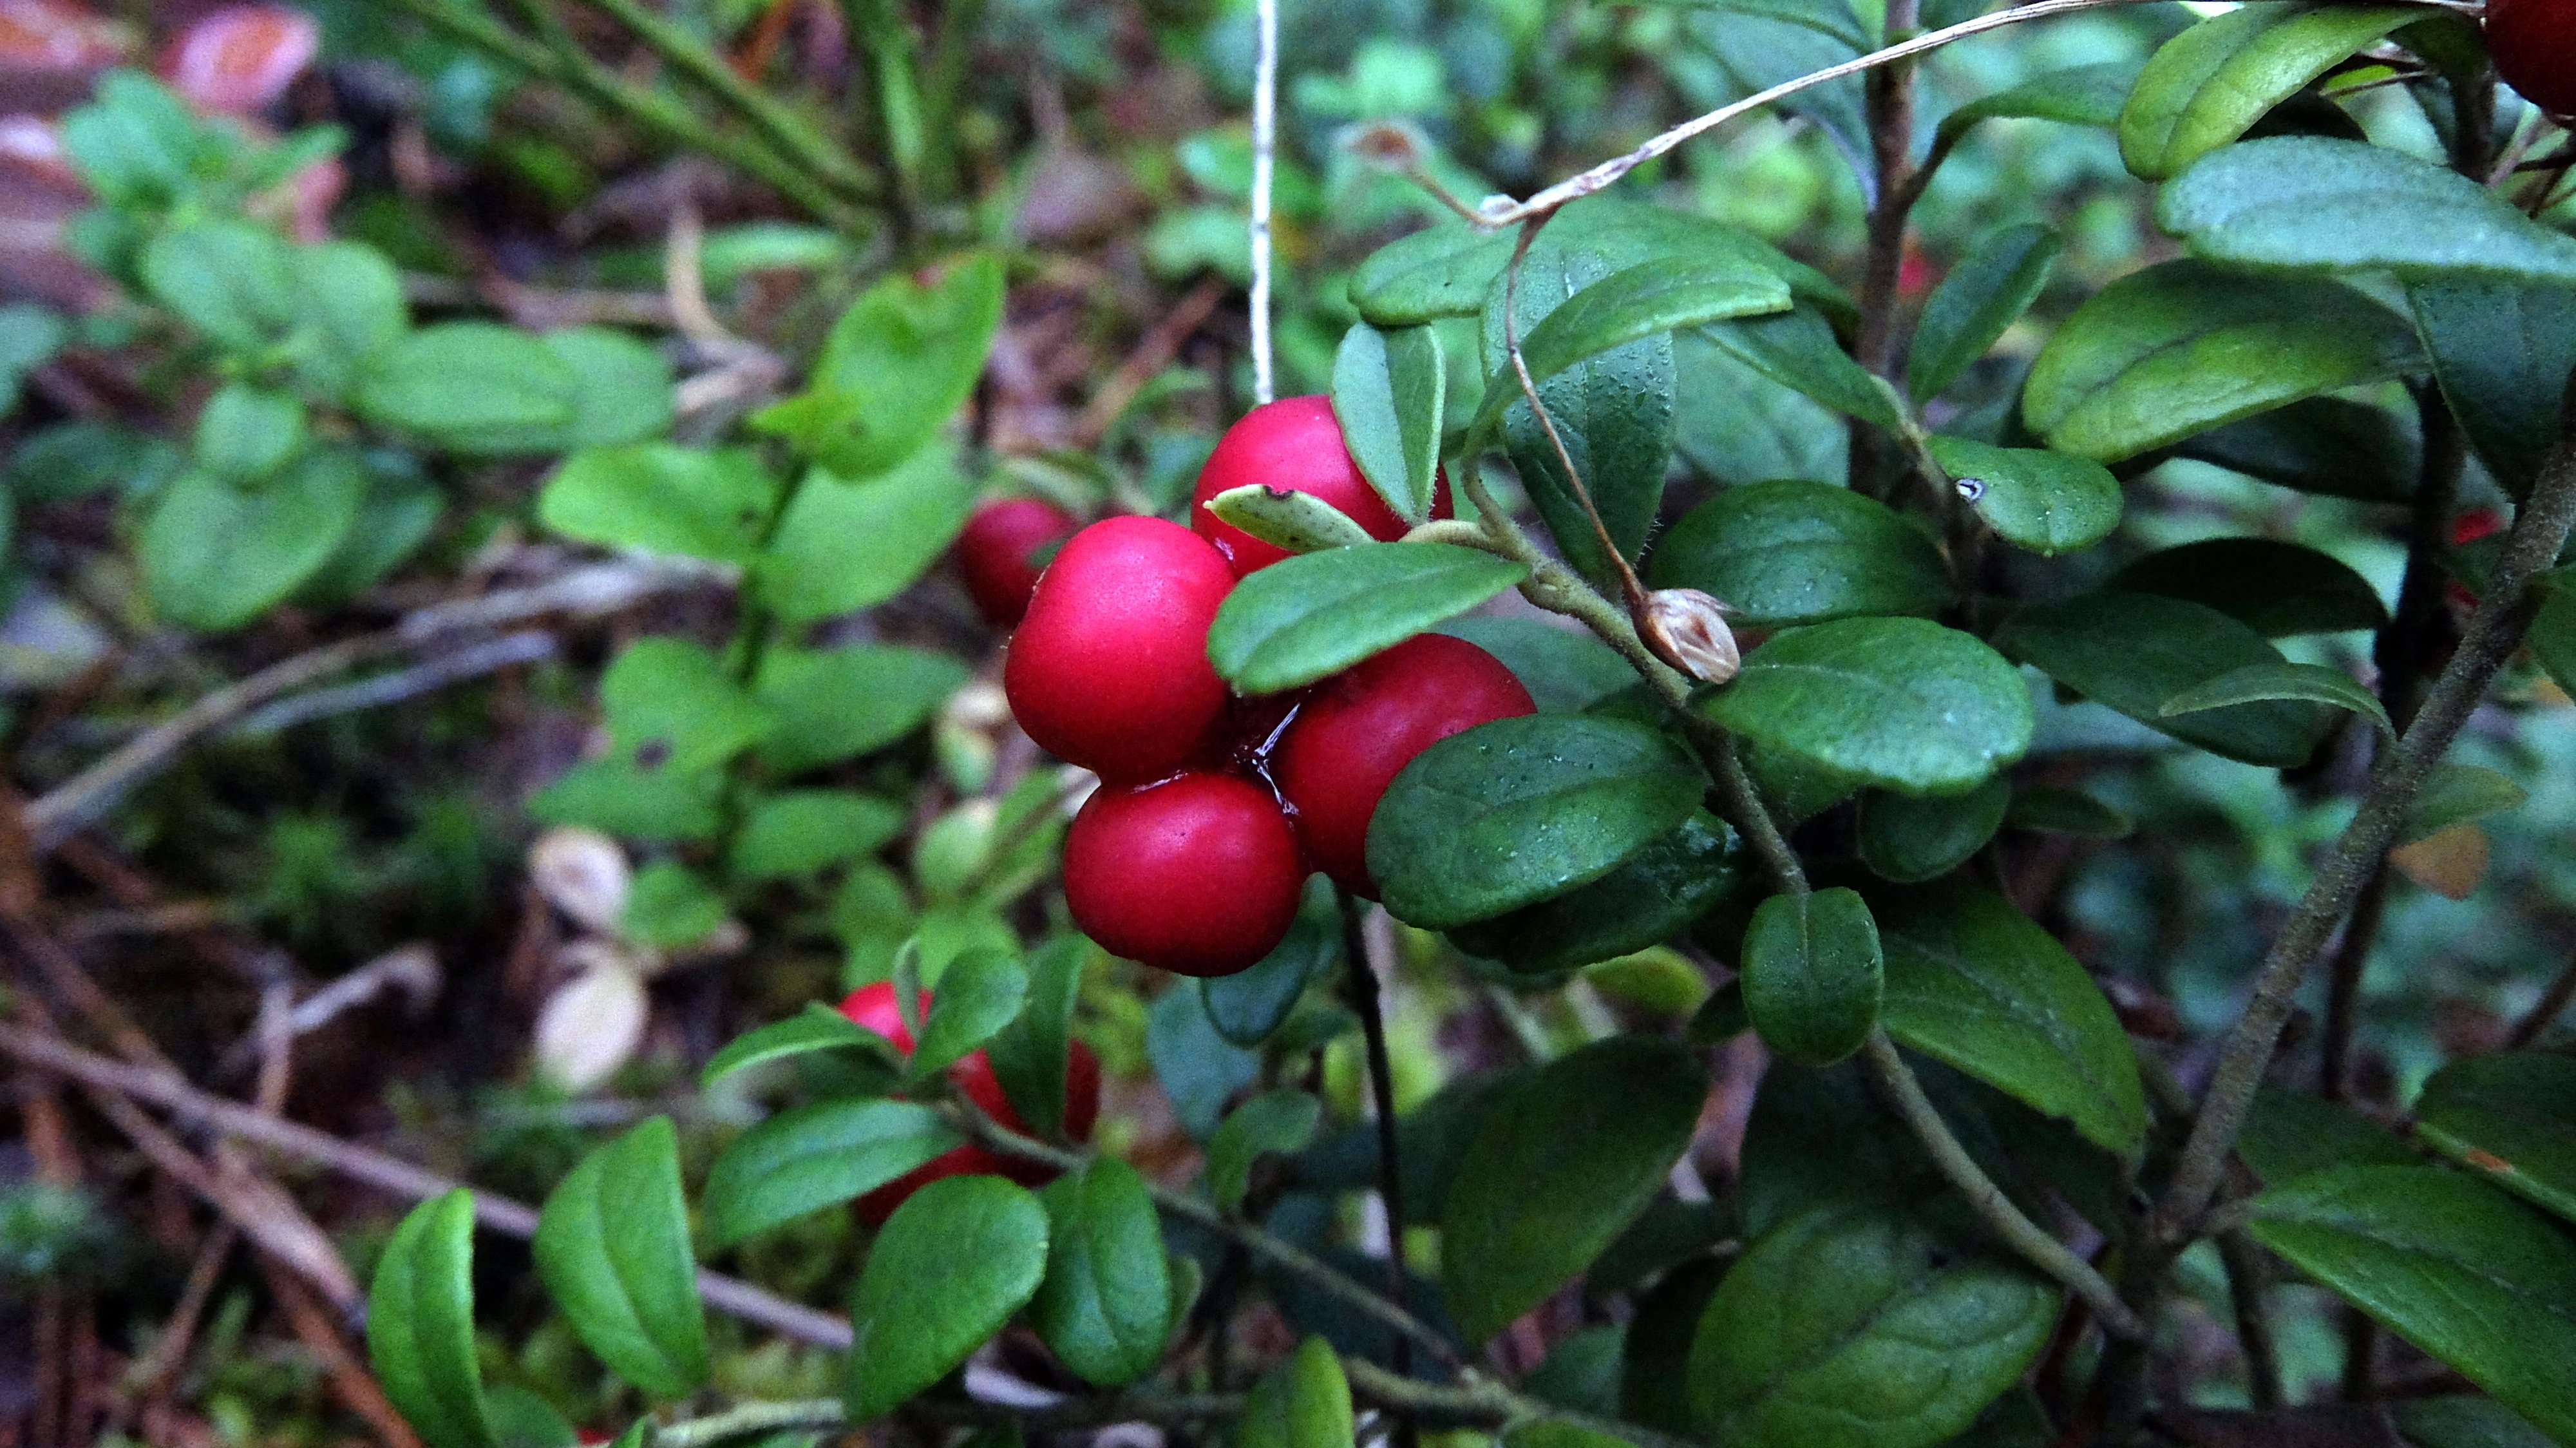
873 1006
994 554
1359 729
1295 445
1109 670
1198 874
2533 43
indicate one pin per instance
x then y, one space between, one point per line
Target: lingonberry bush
1820 795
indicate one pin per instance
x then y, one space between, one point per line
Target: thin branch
1631 589
1987 1199
774 122
2246 1280
2545 1012
1265 147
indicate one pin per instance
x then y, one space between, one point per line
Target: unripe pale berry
1295 445
1199 874
2533 43
994 554
1359 728
873 1006
1109 670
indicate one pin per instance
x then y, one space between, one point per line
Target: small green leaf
1643 301
671 703
1973 982
844 546
245 433
1652 896
2044 501
2463 1421
2552 636
1513 812
420 1325
1813 975
1902 703
1286 518
1103 1303
1304 618
1441 272
803 832
2046 809
1790 552
1910 840
1981 297
1557 1171
232 280
979 994
1304 1402
1279 1122
612 1246
2455 795
2315 683
896 366
2134 651
951 1266
2511 1116
2210 84
1798 350
2081 95
818 1027
349 307
2289 1134
2502 351
1389 391
1249 1006
461 379
671 906
2459 1269
826 705
1734 424
1031 1056
216 555
814 1157
1566 669
618 797
662 498
2277 589
2330 446
2179 348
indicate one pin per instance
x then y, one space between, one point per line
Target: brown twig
1154 351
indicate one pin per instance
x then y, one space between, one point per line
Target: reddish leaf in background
241 60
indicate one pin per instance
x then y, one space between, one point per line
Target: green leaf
2080 95
818 1027
1558 1170
2462 1421
1249 1006
2511 1116
2552 636
826 705
1304 1402
1308 617
1910 840
1650 897
801 833
1516 811
420 1325
521 1419
1285 518
2330 446
1566 669
396 514
2502 351
979 994
670 906
2289 1134
2134 651
1851 1327
896 366
466 378
2210 84
136 143
623 393
1902 703
1798 350
662 498
1442 272
349 306
2049 810
2455 795
1389 390
2047 502
1972 982
1102 1306
234 281
671 703
2315 683
612 1246
619 797
1281 1122
844 546
2277 589
1640 302
2452 1265
245 433
1791 552
1031 1056
951 1266
814 1157
216 555
1735 424
2179 348
1813 975
2319 202
1985 294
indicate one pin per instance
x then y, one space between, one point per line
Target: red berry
994 554
1294 444
2533 43
1362 726
1198 874
873 1006
1109 670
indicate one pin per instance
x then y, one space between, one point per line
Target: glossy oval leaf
814 1157
2452 1265
1304 1402
2457 794
662 498
1910 840
950 1267
1558 1170
1031 1057
843 546
2330 446
1971 981
1389 392
1642 301
2047 502
1248 1006
612 1247
1652 896
2501 351
1981 297
2134 651
2315 683
1280 1122
1444 271
1813 975
2179 348
2277 589
1284 518
2512 1116
1304 618
818 1027
1101 1306
1851 1327
1516 811
1788 552
980 993
1902 703
420 1325
2079 95
894 368
2209 85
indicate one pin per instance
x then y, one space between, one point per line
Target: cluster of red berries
1212 808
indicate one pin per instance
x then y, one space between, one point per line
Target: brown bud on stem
1687 629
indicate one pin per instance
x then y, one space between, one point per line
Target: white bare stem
1265 148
